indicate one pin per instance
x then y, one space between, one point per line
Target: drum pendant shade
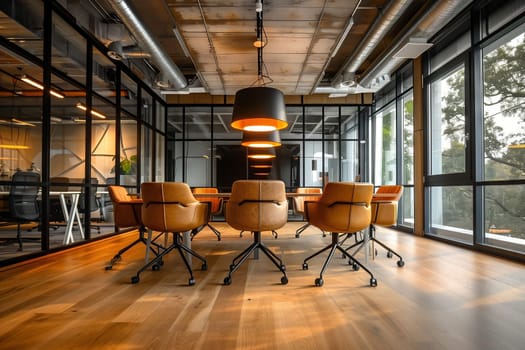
259 108
261 153
261 139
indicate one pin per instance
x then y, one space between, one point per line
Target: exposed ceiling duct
425 28
171 75
384 23
377 77
118 52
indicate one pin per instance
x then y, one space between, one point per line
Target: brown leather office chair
127 214
256 206
171 207
298 205
384 213
215 204
343 210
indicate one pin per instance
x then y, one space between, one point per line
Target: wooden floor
443 298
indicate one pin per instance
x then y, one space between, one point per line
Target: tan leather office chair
127 214
171 207
299 208
343 210
384 213
256 206
215 204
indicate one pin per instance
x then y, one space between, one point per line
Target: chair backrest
385 204
257 205
126 210
343 207
171 207
93 201
57 182
298 201
215 202
23 194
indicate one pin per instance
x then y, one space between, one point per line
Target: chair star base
178 244
140 239
336 245
213 229
302 228
243 256
372 238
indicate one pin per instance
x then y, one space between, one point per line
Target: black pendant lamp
259 108
261 139
261 153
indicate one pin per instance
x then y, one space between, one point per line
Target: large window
407 201
451 214
392 141
447 118
476 169
385 146
504 108
504 140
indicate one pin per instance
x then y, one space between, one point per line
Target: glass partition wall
72 122
320 144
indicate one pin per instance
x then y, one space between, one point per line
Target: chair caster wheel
109 267
204 267
400 263
155 267
191 281
297 235
319 282
283 267
355 267
373 282
284 280
135 279
389 254
227 281
305 266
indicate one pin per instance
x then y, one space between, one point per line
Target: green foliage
128 166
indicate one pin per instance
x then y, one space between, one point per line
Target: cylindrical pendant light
261 153
259 108
261 139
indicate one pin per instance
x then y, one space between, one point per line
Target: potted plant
128 170
128 166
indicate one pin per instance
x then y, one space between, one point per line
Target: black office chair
94 202
23 204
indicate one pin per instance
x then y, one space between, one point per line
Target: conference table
71 214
